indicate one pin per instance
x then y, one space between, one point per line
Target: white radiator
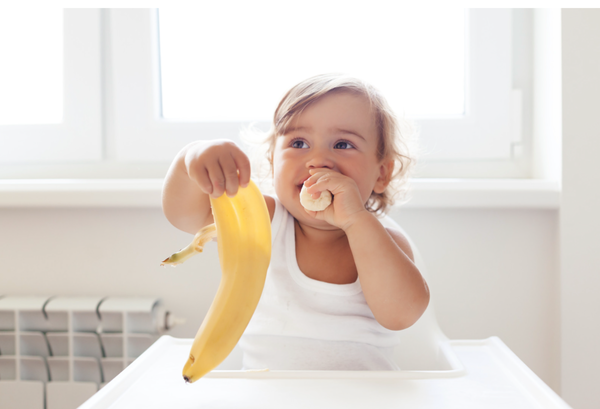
56 352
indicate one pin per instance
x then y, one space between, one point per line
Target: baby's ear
385 176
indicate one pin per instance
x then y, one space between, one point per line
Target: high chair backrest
420 347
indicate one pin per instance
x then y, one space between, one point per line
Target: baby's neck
324 255
315 235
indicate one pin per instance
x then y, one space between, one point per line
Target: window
32 89
476 141
60 121
209 72
139 84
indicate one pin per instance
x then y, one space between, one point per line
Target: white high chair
435 372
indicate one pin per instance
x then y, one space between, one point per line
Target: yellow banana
243 228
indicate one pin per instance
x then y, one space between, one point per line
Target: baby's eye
298 144
343 145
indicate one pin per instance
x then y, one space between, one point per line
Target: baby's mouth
299 186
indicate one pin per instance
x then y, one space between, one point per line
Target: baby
340 285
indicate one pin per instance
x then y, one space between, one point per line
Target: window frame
118 131
79 136
488 131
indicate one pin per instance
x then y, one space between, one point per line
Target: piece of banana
317 205
244 243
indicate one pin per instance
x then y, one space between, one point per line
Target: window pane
219 64
31 79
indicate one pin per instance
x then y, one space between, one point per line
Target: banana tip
186 379
168 261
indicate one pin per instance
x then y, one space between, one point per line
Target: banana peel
243 228
203 236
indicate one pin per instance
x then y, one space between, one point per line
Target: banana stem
205 235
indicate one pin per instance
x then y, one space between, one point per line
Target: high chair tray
491 376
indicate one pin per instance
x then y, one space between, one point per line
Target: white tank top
305 324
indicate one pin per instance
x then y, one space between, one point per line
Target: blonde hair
395 136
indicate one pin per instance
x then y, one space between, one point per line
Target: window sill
484 193
146 193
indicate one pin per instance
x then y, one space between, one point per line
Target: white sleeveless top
305 324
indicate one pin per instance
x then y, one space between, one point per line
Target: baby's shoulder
270 201
401 241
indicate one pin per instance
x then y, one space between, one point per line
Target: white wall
494 272
579 220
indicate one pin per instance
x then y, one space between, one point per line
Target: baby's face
337 132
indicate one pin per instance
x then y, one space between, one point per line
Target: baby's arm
393 286
201 169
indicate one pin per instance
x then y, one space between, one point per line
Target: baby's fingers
243 166
316 187
231 175
203 180
217 179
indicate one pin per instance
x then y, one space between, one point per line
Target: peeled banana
317 205
243 230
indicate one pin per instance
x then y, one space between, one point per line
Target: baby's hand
347 203
218 167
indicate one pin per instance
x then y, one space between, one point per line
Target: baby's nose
320 163
320 160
